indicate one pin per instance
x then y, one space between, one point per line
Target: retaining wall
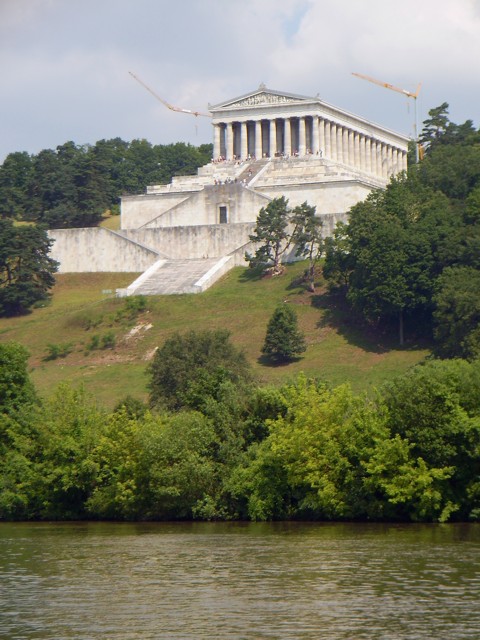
97 249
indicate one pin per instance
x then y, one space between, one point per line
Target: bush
184 360
55 351
283 340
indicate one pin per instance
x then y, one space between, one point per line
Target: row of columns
306 135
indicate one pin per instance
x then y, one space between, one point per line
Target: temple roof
262 96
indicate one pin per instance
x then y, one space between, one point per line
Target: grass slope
84 311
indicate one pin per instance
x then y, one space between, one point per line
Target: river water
239 580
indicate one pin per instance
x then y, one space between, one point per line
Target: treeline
410 255
73 185
212 445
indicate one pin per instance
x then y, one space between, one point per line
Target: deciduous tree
185 359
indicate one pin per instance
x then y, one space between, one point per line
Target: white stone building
266 144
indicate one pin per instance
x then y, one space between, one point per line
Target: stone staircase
249 173
167 277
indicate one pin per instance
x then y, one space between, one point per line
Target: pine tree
283 340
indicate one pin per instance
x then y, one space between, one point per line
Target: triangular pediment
262 96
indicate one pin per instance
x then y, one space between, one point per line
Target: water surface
239 580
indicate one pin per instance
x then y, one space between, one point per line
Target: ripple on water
306 581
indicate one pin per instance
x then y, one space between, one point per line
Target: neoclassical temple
270 124
266 144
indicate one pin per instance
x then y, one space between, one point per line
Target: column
351 148
395 168
363 159
321 137
258 139
333 140
368 155
339 143
302 146
229 141
345 139
356 142
373 157
243 140
273 138
216 141
380 155
288 138
315 135
328 140
390 170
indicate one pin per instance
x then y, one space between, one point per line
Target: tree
14 176
436 408
307 236
186 359
457 312
271 233
338 263
435 126
390 256
283 340
16 389
26 270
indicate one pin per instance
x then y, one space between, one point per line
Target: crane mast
408 94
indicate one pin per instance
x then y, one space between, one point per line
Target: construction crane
167 104
408 94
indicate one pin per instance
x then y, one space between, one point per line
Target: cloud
65 64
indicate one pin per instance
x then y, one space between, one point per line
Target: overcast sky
64 63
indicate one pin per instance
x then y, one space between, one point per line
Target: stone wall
139 210
193 242
97 249
241 205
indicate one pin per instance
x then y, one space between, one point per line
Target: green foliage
184 360
26 270
307 237
132 307
457 312
16 389
133 407
303 450
283 340
135 304
105 341
436 407
395 247
272 236
68 426
55 351
108 340
339 262
72 186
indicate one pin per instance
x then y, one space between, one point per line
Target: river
239 580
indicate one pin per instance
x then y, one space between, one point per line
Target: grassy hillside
84 316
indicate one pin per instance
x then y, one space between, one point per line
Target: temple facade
272 124
266 144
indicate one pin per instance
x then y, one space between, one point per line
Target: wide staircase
250 171
167 277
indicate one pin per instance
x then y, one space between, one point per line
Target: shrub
283 340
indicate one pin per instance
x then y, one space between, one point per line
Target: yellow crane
167 104
408 94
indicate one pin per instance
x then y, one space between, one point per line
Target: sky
65 63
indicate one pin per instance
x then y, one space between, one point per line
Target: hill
86 335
